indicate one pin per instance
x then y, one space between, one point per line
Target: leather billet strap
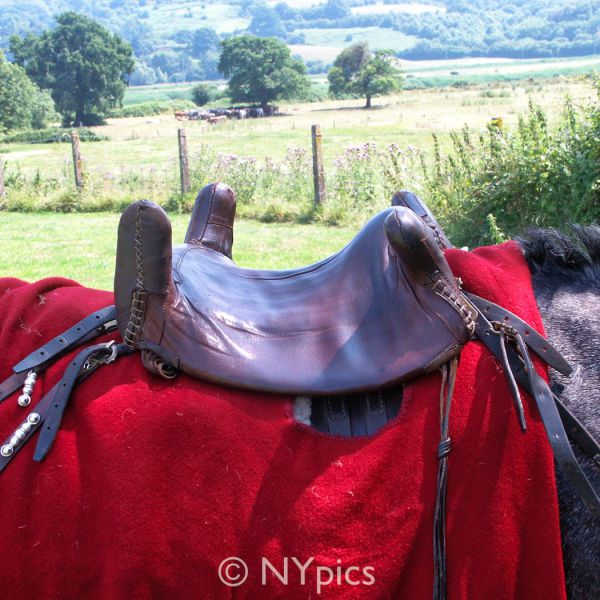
526 375
578 433
50 409
538 343
99 322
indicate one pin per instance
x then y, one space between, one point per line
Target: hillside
178 40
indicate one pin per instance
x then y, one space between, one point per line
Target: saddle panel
371 316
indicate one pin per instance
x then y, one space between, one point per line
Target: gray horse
566 280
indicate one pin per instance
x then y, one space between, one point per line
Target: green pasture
82 246
223 18
148 144
157 93
377 37
473 78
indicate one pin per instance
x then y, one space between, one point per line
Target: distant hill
178 40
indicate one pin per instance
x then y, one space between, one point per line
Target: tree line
81 70
479 28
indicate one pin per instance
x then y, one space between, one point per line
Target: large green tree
261 70
22 103
357 71
83 64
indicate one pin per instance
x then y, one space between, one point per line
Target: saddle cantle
384 309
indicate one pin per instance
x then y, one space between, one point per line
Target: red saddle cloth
151 484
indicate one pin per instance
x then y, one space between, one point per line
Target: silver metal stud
6 450
25 397
14 441
24 400
33 418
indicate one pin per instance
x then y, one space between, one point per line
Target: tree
84 66
335 9
358 71
266 22
204 40
261 70
22 103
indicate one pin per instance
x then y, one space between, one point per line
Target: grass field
338 39
380 8
222 17
158 93
143 144
82 247
141 158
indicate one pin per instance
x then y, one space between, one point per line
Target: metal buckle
114 352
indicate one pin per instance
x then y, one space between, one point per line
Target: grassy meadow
149 144
82 246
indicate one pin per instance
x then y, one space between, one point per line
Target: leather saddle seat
384 309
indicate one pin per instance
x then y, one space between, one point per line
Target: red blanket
151 485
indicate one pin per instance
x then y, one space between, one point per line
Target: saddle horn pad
384 309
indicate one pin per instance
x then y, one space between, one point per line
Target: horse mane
560 256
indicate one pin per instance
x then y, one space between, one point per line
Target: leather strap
85 360
529 379
92 326
439 517
578 433
51 408
78 334
539 344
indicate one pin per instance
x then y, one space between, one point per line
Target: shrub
492 185
202 94
150 109
51 136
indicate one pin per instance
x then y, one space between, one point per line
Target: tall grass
492 184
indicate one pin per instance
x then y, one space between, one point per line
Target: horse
566 280
565 274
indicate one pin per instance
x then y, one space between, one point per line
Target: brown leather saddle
384 309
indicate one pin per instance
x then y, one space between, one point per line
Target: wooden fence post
318 173
184 167
2 188
77 161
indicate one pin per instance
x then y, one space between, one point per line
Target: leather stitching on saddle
133 330
464 307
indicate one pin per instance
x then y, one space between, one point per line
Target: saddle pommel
410 236
211 223
416 205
